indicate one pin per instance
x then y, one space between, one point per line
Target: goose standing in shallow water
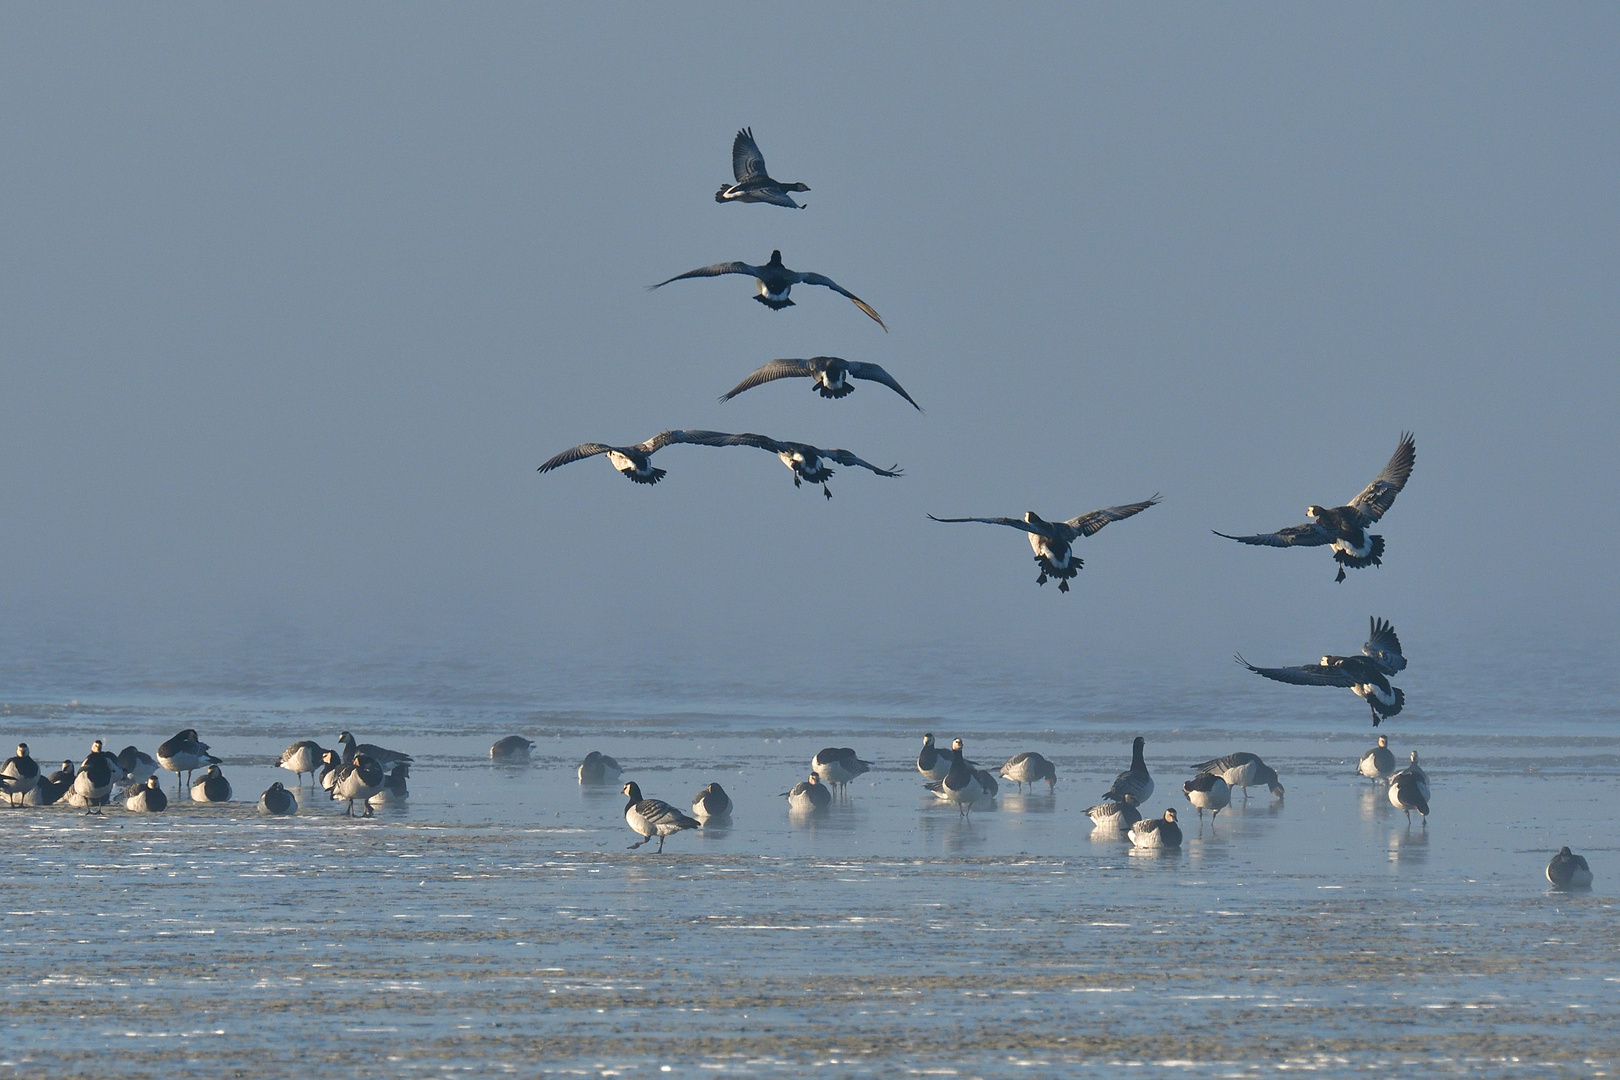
1134 784
1345 527
635 462
1241 769
712 804
1114 816
358 779
1379 762
963 785
512 750
829 377
1409 790
302 757
598 768
1208 791
147 798
385 758
19 775
1156 832
211 786
1028 767
1367 676
93 783
652 817
838 765
331 765
1569 870
1052 541
277 801
752 184
185 753
775 281
933 762
807 462
808 795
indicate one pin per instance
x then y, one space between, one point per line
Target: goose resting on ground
829 377
635 461
1379 762
19 775
1241 769
277 801
652 817
808 796
51 789
1345 527
753 183
775 281
807 462
1367 675
598 768
1134 785
1052 540
147 798
1569 870
512 750
1114 816
1156 832
712 804
211 786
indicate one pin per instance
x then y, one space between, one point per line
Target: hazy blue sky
294 299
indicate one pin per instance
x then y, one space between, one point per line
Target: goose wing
1306 675
874 373
822 279
1377 497
776 369
717 270
844 457
1017 523
698 438
1307 535
1384 648
575 453
659 812
748 438
746 160
1086 524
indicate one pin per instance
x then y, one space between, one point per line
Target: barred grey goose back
1114 816
1242 769
51 789
1156 832
652 817
1134 784
138 765
302 757
1053 541
1028 767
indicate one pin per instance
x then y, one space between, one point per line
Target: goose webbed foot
826 491
1341 574
1042 579
796 481
1063 586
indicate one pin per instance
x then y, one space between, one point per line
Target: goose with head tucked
829 376
358 780
838 765
303 756
1028 767
277 801
1053 541
1568 870
648 818
185 753
211 787
512 750
711 805
147 798
395 788
138 765
635 461
1134 784
1156 832
1242 769
386 758
808 795
1379 762
51 789
1367 676
1345 527
775 282
809 463
1114 816
598 768
19 775
751 183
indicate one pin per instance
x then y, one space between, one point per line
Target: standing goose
1407 792
19 775
933 762
753 183
1157 832
1345 527
50 789
395 791
1114 816
1241 769
808 795
829 377
1569 870
93 783
1367 675
775 281
277 801
147 798
1052 540
1379 762
1418 774
652 817
331 765
1028 767
712 804
1134 784
838 765
184 753
1208 791
358 779
302 757
963 785
807 462
211 787
512 750
635 462
385 758
138 765
598 768
99 750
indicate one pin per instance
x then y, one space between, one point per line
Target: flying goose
277 801
50 789
1379 762
598 768
395 791
211 786
1345 527
807 462
635 461
1569 870
1157 832
1367 675
512 750
19 775
147 798
753 183
1051 540
184 753
382 757
652 817
1134 784
1028 767
808 795
838 765
138 765
1114 816
775 281
712 804
358 779
1208 791
829 377
302 757
963 785
1241 769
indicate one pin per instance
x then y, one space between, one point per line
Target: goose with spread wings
775 281
807 462
635 461
1052 540
1367 675
829 377
753 183
1345 527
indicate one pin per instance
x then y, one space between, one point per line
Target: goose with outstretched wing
1345 527
753 183
775 281
807 462
1367 675
1053 541
635 461
829 376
